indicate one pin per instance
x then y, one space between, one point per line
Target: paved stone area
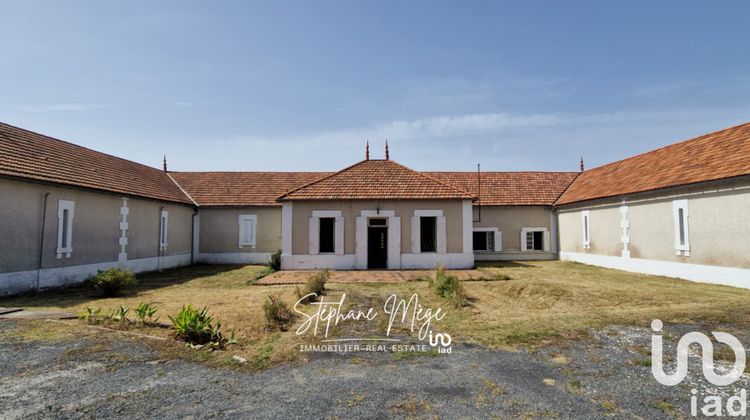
363 276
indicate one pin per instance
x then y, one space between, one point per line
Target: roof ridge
682 142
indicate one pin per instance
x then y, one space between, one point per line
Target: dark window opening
378 222
681 220
484 241
327 235
65 227
428 234
535 241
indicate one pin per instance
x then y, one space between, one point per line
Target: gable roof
26 154
719 155
242 188
376 179
511 188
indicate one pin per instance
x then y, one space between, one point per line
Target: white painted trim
428 213
432 260
394 243
234 258
554 229
287 215
729 276
377 213
70 206
313 235
545 238
253 220
677 205
317 262
314 231
586 229
625 230
163 230
123 241
338 230
468 222
22 281
360 243
326 213
416 247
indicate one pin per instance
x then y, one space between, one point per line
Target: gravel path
117 377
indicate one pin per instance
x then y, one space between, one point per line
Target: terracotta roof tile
511 188
719 155
26 154
242 188
376 179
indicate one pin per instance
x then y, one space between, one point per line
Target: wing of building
68 211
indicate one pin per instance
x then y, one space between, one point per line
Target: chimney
165 164
367 150
387 155
582 164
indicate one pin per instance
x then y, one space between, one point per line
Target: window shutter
546 241
440 233
339 232
416 248
314 235
498 241
523 240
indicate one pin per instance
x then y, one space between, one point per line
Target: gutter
41 242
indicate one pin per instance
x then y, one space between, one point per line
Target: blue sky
302 85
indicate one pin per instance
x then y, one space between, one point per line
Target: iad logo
707 349
712 405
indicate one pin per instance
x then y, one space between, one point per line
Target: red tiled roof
511 188
26 154
376 179
242 188
719 155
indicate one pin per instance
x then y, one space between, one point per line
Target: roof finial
165 163
367 150
582 164
387 155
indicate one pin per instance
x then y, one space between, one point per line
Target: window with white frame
535 239
681 231
326 232
247 224
428 229
586 223
487 240
65 213
163 230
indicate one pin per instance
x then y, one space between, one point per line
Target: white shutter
523 240
339 232
416 248
498 241
546 241
247 223
314 242
440 233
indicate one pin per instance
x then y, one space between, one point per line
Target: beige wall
96 226
219 229
511 219
350 210
718 225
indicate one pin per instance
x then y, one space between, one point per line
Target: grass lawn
541 301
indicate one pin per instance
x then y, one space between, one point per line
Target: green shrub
278 315
315 284
91 315
196 326
110 282
146 311
274 261
449 287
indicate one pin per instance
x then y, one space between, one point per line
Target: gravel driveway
118 377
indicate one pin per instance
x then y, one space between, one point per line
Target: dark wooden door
377 247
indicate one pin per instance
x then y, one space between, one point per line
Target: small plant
119 315
315 284
449 287
91 315
196 326
274 261
145 312
109 282
278 315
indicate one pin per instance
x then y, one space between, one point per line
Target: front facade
68 211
